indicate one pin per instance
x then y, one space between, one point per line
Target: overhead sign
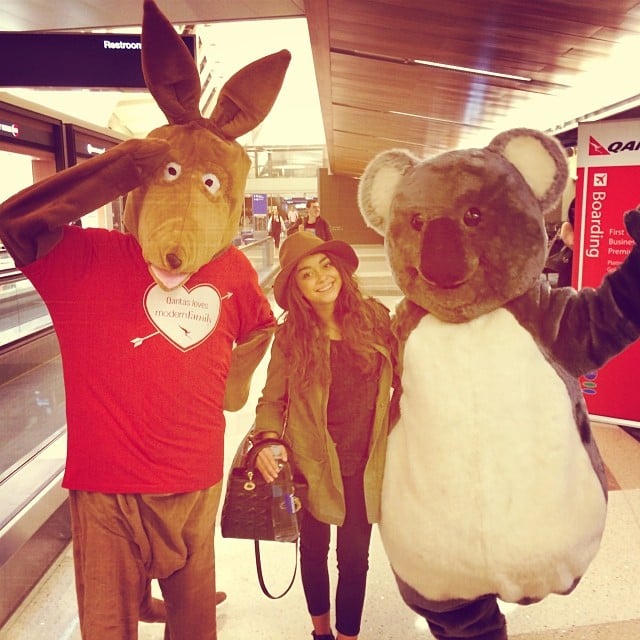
608 169
73 60
259 204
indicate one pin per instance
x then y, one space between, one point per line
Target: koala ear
378 186
539 158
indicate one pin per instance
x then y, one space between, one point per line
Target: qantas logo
597 149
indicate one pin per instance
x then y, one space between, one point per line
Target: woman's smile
325 287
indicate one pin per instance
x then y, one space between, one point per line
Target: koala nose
173 260
443 257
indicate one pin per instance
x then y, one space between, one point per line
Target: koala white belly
487 486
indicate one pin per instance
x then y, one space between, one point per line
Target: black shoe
324 636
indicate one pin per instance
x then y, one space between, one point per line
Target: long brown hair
363 321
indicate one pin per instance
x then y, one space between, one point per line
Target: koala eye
211 182
172 171
472 217
417 221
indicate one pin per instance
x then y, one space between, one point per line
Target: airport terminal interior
365 77
604 606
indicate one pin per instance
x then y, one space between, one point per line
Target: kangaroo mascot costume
493 484
160 330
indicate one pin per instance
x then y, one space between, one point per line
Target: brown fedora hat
300 245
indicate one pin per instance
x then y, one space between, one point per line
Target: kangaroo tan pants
121 541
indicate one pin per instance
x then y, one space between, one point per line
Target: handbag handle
263 586
250 463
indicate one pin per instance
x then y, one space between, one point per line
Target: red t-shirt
144 369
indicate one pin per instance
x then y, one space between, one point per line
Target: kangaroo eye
472 217
417 221
172 171
211 182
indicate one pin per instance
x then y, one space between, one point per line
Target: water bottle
283 511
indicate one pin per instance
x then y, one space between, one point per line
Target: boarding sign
608 172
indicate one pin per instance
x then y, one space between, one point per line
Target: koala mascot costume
160 330
493 484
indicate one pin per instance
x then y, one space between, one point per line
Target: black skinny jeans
352 554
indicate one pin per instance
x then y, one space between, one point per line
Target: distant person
565 266
274 227
315 223
293 220
560 258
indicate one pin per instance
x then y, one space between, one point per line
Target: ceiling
565 61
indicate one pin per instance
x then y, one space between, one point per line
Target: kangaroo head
189 209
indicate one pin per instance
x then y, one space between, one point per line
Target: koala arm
404 321
406 318
624 281
584 329
31 221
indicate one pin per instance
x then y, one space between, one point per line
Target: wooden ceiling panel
366 70
419 90
463 29
398 128
357 150
445 136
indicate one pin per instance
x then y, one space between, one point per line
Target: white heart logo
184 316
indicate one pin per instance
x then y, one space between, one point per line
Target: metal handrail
265 265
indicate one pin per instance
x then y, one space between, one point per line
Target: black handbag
559 255
246 510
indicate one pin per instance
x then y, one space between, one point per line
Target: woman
566 234
331 373
293 222
560 258
274 227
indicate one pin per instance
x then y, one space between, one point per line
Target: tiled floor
605 606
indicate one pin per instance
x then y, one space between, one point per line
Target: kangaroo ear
247 97
170 71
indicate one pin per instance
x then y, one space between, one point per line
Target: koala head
464 230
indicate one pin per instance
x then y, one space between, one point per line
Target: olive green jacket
314 452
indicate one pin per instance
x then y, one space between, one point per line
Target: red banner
608 172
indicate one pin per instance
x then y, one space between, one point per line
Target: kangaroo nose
173 261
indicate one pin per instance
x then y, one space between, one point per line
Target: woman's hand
267 464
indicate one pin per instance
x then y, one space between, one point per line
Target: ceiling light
482 72
414 115
432 119
427 63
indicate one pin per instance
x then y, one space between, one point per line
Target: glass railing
32 403
23 313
